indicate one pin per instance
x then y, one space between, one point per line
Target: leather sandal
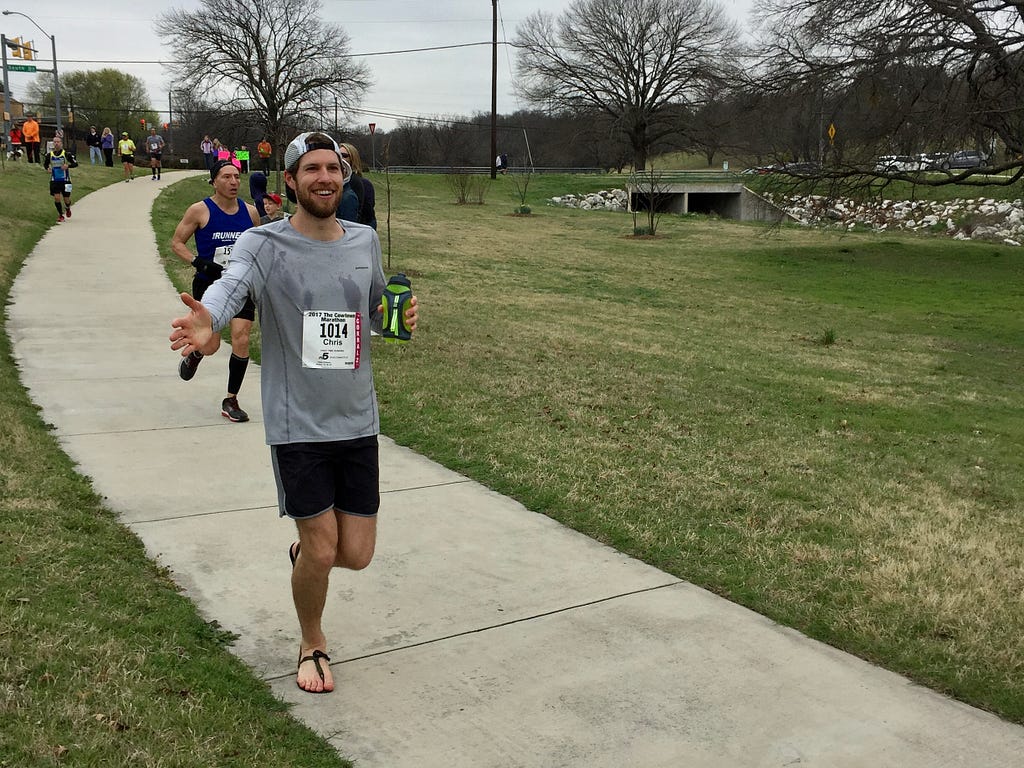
315 658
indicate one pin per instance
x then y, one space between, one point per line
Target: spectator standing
16 142
258 191
206 147
92 140
155 149
363 188
30 136
126 148
216 223
264 150
107 144
348 207
317 282
59 163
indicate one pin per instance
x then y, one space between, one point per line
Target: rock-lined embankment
962 219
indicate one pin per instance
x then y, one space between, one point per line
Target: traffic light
165 126
15 44
26 50
142 122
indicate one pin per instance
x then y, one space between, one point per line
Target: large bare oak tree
637 61
274 62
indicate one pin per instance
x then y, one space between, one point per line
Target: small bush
467 188
827 339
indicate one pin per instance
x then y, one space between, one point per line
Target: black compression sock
236 372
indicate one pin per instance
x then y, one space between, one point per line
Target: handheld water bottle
397 299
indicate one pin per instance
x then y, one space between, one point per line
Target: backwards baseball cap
307 142
275 197
217 165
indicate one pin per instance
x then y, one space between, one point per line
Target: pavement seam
490 627
193 515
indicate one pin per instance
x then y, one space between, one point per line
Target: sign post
373 146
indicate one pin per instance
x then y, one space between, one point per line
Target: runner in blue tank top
216 223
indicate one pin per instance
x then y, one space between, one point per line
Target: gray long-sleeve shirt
317 302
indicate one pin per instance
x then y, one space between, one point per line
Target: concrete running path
483 634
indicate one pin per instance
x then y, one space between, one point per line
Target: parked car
966 158
899 164
933 161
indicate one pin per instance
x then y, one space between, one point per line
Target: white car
899 164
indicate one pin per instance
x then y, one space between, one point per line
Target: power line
165 62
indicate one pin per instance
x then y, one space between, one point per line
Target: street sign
21 67
373 127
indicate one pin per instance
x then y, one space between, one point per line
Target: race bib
331 340
222 255
67 189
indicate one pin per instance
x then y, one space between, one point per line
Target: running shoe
229 410
60 218
188 366
69 212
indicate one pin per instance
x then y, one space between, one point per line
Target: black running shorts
313 478
247 312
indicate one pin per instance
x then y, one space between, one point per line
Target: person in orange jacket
30 135
264 150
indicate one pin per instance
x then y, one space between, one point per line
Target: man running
58 163
318 284
155 148
216 222
126 148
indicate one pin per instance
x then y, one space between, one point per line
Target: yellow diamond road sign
831 131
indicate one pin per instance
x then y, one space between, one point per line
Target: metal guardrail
446 169
690 177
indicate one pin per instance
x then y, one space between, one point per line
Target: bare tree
951 70
633 60
264 60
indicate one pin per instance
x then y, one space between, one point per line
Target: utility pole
494 88
7 91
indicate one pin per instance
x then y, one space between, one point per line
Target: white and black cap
307 142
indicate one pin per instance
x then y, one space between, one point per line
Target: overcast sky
102 33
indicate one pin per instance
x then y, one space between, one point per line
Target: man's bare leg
326 541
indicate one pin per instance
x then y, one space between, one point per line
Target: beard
317 206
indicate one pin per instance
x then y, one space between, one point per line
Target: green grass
674 397
102 661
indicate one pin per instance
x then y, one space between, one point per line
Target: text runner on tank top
215 241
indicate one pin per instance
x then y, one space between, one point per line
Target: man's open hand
194 331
